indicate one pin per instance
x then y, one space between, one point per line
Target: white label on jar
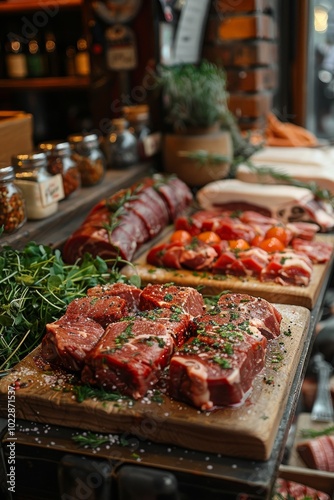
41 197
152 144
52 189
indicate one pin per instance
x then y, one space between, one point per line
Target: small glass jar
12 204
41 190
138 119
121 146
89 158
59 161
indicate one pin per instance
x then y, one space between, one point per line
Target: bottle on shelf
82 59
70 60
35 59
52 56
16 60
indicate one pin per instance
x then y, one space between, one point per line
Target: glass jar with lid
89 158
121 146
41 190
59 161
12 204
138 119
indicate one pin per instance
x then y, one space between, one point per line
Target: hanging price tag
121 52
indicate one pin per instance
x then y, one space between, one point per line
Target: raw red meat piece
218 364
174 319
230 228
150 207
217 367
318 251
197 256
304 230
129 293
288 268
254 260
259 312
291 490
129 357
317 453
176 194
68 340
98 242
186 298
120 224
102 309
194 223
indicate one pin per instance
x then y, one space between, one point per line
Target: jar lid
30 160
60 148
119 124
89 140
6 173
136 112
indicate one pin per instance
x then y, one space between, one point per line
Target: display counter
49 464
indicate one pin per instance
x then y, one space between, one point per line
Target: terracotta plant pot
193 156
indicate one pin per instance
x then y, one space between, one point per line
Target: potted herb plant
197 145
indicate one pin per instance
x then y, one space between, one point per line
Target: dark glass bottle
52 56
35 59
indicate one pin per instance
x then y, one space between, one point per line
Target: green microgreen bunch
35 288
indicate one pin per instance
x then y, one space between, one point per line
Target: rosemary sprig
312 433
83 392
90 439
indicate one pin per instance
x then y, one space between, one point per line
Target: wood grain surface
211 284
247 431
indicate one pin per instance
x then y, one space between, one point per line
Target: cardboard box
16 134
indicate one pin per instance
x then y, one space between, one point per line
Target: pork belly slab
129 357
217 366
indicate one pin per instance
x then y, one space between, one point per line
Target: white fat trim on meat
297 262
232 190
198 382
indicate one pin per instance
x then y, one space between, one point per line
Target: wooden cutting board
211 284
247 431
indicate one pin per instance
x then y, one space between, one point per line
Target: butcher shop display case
57 448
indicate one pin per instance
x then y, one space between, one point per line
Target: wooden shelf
9 6
54 83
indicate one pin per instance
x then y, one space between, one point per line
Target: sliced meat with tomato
318 251
194 223
166 255
288 268
198 256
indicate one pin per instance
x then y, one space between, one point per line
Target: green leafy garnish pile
35 288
